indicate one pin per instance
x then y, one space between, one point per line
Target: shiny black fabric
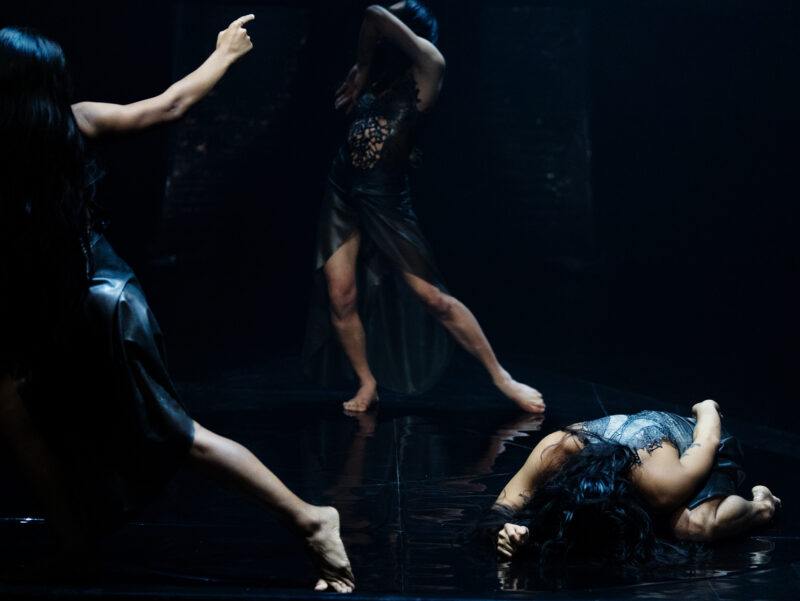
368 193
649 429
107 404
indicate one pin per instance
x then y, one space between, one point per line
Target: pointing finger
242 20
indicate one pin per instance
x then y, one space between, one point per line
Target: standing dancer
87 406
369 239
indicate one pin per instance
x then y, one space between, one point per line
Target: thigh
340 268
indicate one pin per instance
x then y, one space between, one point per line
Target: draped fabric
368 193
107 405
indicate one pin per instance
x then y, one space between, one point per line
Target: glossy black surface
410 481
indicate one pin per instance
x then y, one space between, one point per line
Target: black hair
589 510
589 513
46 189
419 19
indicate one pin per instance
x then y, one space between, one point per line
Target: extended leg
340 273
461 323
725 517
233 463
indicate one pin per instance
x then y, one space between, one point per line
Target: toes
321 585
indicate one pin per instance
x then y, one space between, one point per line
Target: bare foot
365 397
527 398
762 493
327 549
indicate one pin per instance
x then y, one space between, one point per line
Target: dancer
87 406
375 281
608 490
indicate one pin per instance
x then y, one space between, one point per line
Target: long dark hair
46 189
390 63
590 511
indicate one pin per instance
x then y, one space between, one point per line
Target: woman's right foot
527 398
365 397
762 493
327 550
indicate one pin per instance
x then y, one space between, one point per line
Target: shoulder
559 445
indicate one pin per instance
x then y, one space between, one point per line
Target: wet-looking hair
46 187
419 19
589 512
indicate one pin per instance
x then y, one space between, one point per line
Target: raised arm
98 118
667 479
428 62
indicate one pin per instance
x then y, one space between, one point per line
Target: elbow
374 11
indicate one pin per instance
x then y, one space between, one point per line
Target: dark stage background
609 185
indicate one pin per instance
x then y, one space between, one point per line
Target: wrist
222 57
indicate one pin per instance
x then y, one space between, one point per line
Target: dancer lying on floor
87 406
607 490
380 308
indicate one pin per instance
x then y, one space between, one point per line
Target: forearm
181 95
700 455
368 37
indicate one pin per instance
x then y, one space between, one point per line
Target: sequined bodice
644 430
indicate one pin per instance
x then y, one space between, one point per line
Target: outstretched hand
234 41
350 90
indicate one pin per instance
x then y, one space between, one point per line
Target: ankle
309 521
369 382
501 377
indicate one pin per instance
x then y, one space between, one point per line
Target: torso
381 134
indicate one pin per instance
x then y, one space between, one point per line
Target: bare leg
29 448
233 463
725 517
461 323
340 273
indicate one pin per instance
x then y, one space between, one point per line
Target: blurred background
610 186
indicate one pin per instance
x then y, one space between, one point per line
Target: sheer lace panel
366 140
647 430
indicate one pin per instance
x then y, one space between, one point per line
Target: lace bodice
645 430
381 132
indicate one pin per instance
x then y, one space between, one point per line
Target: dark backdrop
610 186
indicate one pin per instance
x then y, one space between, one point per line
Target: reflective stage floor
410 480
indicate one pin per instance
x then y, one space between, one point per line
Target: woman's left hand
511 538
350 90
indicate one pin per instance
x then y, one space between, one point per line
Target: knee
441 305
343 299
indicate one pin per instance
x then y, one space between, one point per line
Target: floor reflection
411 481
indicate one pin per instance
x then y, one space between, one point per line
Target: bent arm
546 457
98 118
668 479
427 60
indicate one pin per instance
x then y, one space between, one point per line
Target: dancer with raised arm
612 490
87 406
379 302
